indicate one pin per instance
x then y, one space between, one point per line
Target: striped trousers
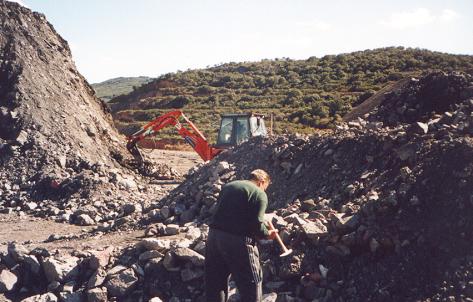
227 254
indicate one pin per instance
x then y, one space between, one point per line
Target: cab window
225 133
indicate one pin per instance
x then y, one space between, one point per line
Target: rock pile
378 210
60 156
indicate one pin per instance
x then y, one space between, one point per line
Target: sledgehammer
286 252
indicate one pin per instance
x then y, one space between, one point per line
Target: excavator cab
239 127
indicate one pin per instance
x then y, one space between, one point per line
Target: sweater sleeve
262 204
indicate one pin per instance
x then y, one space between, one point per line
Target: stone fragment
314 230
7 281
97 279
85 220
187 254
70 297
17 251
122 283
150 255
155 244
61 270
171 229
32 263
48 297
98 294
100 258
188 274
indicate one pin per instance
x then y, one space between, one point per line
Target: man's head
260 178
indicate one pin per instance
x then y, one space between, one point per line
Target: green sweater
241 208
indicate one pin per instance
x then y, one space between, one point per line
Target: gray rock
97 279
154 244
187 254
97 295
150 255
314 230
188 274
61 270
32 263
22 137
271 297
170 262
84 219
7 281
100 258
70 297
121 284
171 229
48 297
17 251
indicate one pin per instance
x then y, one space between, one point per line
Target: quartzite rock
7 281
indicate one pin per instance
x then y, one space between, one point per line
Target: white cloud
21 2
449 15
415 18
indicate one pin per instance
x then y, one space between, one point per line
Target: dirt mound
373 213
421 98
56 137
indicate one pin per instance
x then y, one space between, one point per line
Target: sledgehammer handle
284 248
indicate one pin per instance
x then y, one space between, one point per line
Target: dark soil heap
57 142
386 210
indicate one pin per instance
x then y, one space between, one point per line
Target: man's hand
272 234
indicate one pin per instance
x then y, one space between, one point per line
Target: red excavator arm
192 136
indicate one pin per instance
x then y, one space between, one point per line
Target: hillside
109 89
300 93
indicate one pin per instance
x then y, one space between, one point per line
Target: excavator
235 128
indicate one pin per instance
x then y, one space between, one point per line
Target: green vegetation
109 89
301 94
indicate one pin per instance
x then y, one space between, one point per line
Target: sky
115 38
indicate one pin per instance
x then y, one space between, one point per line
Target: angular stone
155 244
188 274
314 230
271 297
85 220
70 297
295 219
97 279
32 263
17 251
170 262
100 258
98 294
61 270
48 297
123 283
171 229
7 281
308 205
150 255
187 254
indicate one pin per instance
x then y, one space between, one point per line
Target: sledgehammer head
286 253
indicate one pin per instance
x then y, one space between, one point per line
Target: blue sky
112 38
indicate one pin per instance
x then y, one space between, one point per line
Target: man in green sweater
231 244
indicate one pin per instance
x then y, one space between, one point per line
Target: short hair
260 175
